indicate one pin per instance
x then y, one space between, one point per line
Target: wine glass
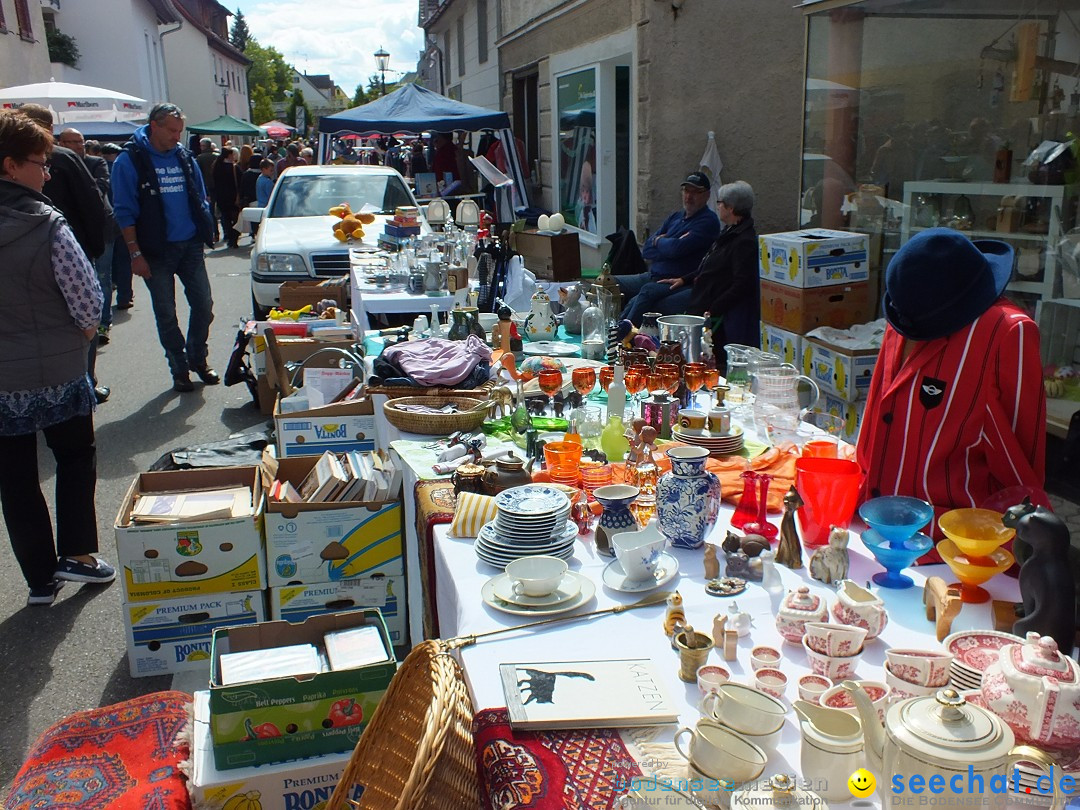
607 374
635 379
584 380
654 380
694 377
550 382
669 376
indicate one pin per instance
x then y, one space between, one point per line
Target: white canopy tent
73 103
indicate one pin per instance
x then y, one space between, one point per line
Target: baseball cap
698 180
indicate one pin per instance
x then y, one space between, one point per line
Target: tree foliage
360 97
375 89
239 36
262 108
297 100
268 70
62 47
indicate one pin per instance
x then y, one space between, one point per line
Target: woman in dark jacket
726 283
226 191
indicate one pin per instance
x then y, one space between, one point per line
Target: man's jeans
121 271
103 265
184 261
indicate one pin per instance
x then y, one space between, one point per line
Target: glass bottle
747 510
616 393
572 434
644 475
613 441
593 331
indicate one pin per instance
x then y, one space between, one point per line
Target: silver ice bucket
687 330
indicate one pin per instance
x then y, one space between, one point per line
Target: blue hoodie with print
180 225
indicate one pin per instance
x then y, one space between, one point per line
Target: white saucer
588 590
615 578
568 588
551 348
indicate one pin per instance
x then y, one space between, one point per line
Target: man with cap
675 250
956 410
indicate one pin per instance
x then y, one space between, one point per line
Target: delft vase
687 498
617 517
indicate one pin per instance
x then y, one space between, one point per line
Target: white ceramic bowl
920 667
764 658
836 669
905 689
812 687
837 640
771 682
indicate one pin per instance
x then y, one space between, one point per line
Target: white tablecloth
639 633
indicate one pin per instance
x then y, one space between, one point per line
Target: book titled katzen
586 694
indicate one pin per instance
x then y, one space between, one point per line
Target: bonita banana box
174 635
338 427
788 346
298 784
850 412
297 603
816 257
282 718
183 559
840 371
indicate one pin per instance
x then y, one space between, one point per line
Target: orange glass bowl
562 456
977 533
971 572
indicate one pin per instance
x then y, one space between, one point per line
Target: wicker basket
435 424
417 753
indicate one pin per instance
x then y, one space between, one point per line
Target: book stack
192 505
404 224
351 477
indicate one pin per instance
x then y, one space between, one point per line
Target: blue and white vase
617 517
687 498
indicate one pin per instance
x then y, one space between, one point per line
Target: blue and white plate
493 536
502 560
532 499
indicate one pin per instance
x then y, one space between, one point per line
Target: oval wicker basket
435 424
417 753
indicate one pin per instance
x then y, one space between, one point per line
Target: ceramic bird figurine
789 552
830 564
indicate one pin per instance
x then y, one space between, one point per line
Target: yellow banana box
815 257
841 371
175 635
788 346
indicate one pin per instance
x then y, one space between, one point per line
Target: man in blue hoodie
160 204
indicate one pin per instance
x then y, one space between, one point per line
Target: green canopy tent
226 125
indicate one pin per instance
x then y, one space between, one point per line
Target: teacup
835 668
771 682
639 552
764 658
920 667
711 677
720 421
812 687
836 640
905 689
840 698
707 789
721 752
536 576
744 709
692 420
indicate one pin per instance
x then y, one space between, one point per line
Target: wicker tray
435 424
417 753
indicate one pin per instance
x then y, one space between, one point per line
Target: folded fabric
439 362
472 512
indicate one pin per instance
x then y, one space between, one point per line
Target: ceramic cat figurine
674 614
712 565
830 564
789 552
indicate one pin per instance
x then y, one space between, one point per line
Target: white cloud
321 38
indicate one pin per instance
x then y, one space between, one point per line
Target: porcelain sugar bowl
1036 691
798 608
859 607
942 735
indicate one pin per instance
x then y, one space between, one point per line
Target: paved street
71 656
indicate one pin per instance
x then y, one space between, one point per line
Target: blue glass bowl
895 557
896 517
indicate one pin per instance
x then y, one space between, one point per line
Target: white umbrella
711 165
75 102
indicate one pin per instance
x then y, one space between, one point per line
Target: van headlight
280 263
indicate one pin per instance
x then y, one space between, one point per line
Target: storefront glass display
577 148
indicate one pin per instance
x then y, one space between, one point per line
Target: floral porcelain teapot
540 323
1036 691
798 608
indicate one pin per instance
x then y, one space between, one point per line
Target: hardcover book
586 694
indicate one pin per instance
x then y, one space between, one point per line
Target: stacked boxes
813 278
339 427
398 231
183 580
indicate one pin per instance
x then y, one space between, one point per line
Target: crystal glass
550 382
607 374
694 377
670 376
635 379
584 380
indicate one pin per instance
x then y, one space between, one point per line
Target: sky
340 41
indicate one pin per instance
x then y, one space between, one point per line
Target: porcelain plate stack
973 651
531 520
718 444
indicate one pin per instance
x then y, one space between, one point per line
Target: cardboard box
292 785
338 427
305 713
816 257
174 635
457 278
788 345
308 543
297 603
298 294
850 412
162 561
840 371
802 310
552 257
297 350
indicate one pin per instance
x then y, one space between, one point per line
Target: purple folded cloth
438 362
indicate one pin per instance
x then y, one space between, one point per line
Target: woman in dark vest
226 193
50 305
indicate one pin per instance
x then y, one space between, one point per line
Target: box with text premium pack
297 603
164 560
275 719
816 257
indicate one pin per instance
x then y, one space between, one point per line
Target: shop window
578 181
22 14
527 117
446 56
481 31
461 46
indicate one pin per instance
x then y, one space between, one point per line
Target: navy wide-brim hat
940 281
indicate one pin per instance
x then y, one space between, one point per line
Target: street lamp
382 60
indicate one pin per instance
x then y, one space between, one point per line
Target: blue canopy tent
415 109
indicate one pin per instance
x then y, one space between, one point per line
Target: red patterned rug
120 757
579 769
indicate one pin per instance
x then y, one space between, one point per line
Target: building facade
463 62
24 55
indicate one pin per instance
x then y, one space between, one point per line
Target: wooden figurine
502 401
719 625
731 645
789 552
1046 582
674 613
1004 614
501 333
712 565
830 564
942 605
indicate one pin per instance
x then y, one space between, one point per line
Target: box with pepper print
272 720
